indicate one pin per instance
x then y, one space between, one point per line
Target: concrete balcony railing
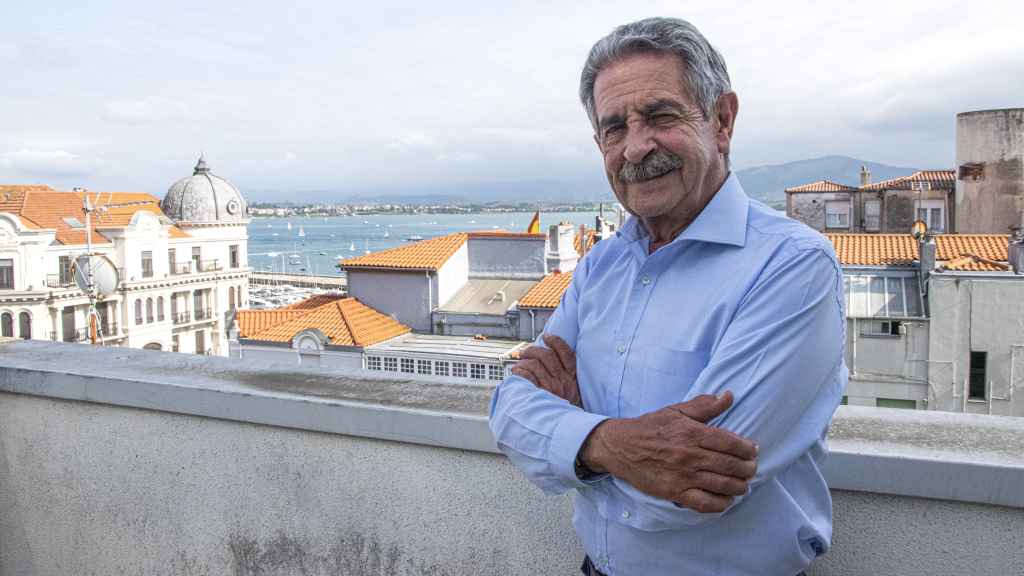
120 461
181 317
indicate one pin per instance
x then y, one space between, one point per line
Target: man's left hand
552 368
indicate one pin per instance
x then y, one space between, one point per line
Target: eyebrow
647 110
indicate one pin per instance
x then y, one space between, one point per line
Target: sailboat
289 225
302 233
352 247
386 233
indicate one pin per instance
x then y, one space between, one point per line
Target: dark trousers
588 568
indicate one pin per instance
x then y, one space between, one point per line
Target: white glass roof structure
883 296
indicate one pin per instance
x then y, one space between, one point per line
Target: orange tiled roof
346 321
822 186
902 250
422 255
43 207
936 178
548 292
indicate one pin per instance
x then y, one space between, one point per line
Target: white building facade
181 264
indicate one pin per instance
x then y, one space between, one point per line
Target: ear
725 120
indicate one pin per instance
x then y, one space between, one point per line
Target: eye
662 119
612 133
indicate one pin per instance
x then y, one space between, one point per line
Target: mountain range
765 183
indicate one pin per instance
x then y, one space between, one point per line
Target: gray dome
203 197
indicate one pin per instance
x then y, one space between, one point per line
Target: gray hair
703 67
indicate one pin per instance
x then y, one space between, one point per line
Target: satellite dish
104 274
918 229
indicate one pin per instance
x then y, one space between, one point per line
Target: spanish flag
534 227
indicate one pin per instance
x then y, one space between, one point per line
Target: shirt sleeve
538 431
782 357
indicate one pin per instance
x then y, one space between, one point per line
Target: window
880 328
495 372
65 273
895 403
160 308
138 311
441 367
459 369
933 213
171 261
873 215
25 325
977 375
407 366
149 310
373 362
200 342
837 214
7 325
423 367
175 343
390 364
197 255
478 371
6 274
231 297
147 263
197 305
233 255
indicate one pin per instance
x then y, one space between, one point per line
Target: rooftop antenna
95 274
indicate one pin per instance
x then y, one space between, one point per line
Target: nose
639 144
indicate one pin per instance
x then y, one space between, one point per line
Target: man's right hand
674 455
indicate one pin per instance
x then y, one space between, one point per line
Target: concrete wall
994 138
406 296
809 208
530 328
490 325
180 465
984 315
502 257
450 277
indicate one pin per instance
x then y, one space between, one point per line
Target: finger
524 373
727 465
720 484
565 354
705 407
724 441
703 501
546 357
544 378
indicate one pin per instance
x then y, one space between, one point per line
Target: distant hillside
765 183
768 183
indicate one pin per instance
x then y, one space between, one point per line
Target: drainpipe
533 326
430 303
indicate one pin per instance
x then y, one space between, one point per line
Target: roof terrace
120 461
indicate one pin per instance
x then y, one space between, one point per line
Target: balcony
203 314
209 265
76 335
58 281
117 460
181 268
180 317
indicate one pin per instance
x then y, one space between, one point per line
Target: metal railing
110 329
76 335
209 265
180 317
56 281
180 268
204 314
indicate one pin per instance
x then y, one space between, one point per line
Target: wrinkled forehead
637 80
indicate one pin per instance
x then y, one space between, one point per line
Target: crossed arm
765 397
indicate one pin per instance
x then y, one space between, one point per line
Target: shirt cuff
570 433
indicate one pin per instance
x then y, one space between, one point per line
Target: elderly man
685 384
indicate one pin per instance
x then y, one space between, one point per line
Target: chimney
1015 251
865 175
561 253
927 251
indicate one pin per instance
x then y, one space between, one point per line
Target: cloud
47 163
148 110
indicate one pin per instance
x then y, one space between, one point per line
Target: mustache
653 165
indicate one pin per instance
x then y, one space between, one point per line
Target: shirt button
625 514
645 280
621 349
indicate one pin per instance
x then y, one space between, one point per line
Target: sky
355 97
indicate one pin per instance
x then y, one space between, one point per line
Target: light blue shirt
744 299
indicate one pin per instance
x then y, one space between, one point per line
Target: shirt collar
723 220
